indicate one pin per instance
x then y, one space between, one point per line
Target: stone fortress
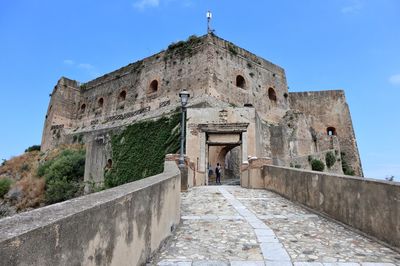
239 108
241 115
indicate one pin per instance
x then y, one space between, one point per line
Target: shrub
317 165
63 175
5 185
347 170
61 189
330 159
33 148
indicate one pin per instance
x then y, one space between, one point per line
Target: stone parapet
369 205
124 225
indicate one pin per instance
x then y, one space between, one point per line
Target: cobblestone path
230 225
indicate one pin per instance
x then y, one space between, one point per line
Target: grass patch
182 49
232 49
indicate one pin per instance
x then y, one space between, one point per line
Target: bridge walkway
230 225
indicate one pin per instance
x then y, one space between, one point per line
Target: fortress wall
119 226
173 74
262 138
329 109
173 69
61 112
229 61
291 142
369 205
98 152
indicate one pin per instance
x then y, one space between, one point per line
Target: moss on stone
139 151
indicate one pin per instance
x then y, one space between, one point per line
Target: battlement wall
263 84
241 52
123 224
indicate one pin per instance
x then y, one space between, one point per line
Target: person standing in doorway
218 174
210 173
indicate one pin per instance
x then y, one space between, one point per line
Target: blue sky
332 44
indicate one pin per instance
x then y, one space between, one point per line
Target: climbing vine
139 151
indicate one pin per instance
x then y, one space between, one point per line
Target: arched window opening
100 102
122 96
109 163
331 131
83 108
272 94
240 81
153 86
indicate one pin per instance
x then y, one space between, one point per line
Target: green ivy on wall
139 151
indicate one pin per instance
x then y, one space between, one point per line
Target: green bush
59 190
33 148
330 159
347 170
139 151
43 168
5 185
63 175
317 165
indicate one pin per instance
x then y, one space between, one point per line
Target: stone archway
229 156
226 144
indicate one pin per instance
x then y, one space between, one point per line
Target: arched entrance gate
225 144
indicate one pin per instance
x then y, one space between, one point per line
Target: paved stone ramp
230 225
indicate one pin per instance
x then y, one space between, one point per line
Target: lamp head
184 95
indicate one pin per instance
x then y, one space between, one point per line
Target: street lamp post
184 95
